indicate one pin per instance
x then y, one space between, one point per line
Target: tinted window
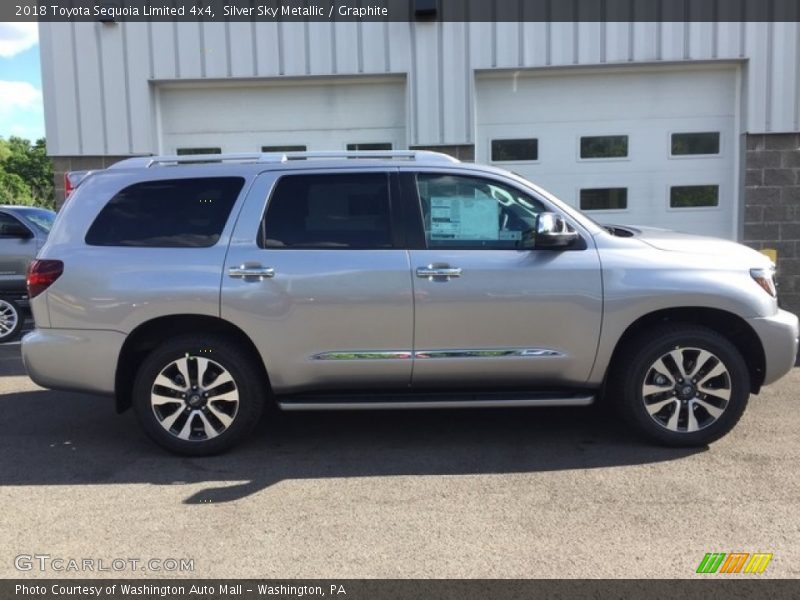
604 146
283 148
384 146
10 227
348 210
191 151
172 213
467 212
515 150
695 143
693 196
604 199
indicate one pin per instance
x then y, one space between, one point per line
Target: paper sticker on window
464 218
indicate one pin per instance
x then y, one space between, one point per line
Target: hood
686 243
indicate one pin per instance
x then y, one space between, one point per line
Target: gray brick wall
772 206
62 164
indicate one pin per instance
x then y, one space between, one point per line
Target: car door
489 312
17 248
318 277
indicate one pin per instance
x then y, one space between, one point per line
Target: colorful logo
736 562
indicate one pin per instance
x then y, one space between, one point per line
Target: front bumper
73 359
778 335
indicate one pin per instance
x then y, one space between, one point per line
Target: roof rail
144 162
419 155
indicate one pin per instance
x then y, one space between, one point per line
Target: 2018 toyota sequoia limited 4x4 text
197 289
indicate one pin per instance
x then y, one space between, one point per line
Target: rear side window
173 213
347 210
10 227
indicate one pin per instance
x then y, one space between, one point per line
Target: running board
432 401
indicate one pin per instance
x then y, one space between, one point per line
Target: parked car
23 230
196 289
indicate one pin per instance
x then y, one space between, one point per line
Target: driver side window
473 213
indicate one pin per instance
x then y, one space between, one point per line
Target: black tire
637 361
248 385
11 320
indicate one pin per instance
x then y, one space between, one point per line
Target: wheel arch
725 323
148 335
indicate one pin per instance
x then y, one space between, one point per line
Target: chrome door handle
243 271
431 271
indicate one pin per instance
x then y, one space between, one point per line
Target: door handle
243 271
430 271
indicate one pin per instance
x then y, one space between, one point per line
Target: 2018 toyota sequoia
197 288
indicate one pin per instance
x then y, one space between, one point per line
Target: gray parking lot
503 493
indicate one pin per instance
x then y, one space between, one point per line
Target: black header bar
111 11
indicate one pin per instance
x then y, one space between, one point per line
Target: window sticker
464 218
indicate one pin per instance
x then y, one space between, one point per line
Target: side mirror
552 231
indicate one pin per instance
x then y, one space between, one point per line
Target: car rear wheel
11 320
681 385
197 395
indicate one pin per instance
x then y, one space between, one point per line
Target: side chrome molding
428 354
490 353
387 355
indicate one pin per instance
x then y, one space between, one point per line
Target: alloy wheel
9 317
686 389
194 398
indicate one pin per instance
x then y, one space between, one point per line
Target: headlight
765 277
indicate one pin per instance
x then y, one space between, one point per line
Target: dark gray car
23 231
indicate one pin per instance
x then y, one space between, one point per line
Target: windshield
42 219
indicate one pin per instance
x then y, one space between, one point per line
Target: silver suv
196 289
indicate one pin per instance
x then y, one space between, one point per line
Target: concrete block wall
772 206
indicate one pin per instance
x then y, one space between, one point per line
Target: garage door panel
644 109
319 116
648 143
606 96
312 139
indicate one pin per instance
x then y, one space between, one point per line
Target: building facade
685 125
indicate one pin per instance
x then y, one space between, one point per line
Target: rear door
318 277
487 311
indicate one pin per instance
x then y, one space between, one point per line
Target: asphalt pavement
480 493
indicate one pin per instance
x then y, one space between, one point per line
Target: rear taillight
42 274
68 186
72 179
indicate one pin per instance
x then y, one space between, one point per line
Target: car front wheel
681 385
198 395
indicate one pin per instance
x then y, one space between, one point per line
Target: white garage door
360 114
652 148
